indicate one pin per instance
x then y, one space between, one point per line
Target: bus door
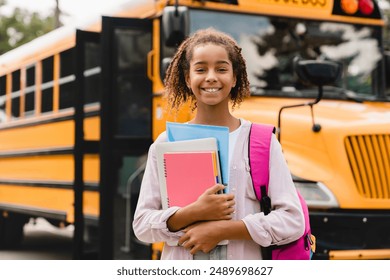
88 71
126 132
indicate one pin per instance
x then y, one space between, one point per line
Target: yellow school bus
80 106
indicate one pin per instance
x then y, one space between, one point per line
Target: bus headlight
316 194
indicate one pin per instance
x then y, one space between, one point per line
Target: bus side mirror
175 24
316 72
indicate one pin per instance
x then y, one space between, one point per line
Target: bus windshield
270 44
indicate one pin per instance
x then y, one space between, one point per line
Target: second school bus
80 106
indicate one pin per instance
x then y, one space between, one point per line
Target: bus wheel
11 230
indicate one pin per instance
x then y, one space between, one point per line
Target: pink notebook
188 175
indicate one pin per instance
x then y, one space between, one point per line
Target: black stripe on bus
49 184
34 211
31 121
45 213
38 152
90 147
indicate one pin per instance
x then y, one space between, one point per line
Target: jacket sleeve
285 223
150 221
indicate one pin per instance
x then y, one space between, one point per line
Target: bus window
2 99
67 79
15 102
134 98
29 91
270 45
47 84
92 72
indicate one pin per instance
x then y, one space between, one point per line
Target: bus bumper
351 234
376 254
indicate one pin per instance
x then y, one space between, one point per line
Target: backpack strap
259 152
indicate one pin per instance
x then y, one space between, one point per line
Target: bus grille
369 159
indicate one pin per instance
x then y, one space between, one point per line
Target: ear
188 82
234 81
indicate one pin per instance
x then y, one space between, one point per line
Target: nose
211 76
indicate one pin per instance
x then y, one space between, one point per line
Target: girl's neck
224 118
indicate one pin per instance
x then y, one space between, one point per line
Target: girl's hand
212 205
205 236
202 236
209 206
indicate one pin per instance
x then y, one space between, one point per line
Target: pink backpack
259 146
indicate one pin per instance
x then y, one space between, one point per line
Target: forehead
209 52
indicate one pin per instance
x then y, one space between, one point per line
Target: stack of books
186 169
194 159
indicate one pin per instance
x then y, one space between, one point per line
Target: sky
76 9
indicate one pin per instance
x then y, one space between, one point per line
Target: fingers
187 242
218 188
228 215
183 241
190 246
211 206
196 249
199 237
228 204
215 189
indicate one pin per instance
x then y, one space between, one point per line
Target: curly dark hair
176 89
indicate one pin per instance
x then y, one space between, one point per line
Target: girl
209 70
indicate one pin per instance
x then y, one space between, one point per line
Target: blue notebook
184 131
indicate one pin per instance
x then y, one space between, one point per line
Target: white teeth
211 89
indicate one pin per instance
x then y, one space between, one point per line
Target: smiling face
210 75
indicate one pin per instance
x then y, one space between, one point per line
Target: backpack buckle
265 202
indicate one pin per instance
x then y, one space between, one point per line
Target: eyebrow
218 62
